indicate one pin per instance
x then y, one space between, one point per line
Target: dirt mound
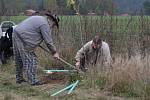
55 78
53 81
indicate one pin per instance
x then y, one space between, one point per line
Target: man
93 52
27 36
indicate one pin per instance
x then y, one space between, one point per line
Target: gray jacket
33 31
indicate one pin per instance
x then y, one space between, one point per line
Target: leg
18 61
3 58
82 67
31 66
19 66
0 58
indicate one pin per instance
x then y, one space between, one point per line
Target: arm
46 34
81 53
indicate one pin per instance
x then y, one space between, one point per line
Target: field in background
127 35
127 79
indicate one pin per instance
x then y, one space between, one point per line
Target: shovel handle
67 63
70 65
62 60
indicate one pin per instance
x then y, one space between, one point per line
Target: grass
8 86
128 80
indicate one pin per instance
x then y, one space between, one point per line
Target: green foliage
74 77
96 6
146 6
64 7
70 7
71 3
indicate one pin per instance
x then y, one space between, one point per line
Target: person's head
97 42
53 18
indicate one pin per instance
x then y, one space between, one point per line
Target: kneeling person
93 52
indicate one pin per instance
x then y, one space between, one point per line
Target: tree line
72 7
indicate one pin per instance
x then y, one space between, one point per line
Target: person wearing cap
28 35
93 52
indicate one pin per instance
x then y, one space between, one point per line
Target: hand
78 64
56 55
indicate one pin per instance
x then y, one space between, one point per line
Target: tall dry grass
125 78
